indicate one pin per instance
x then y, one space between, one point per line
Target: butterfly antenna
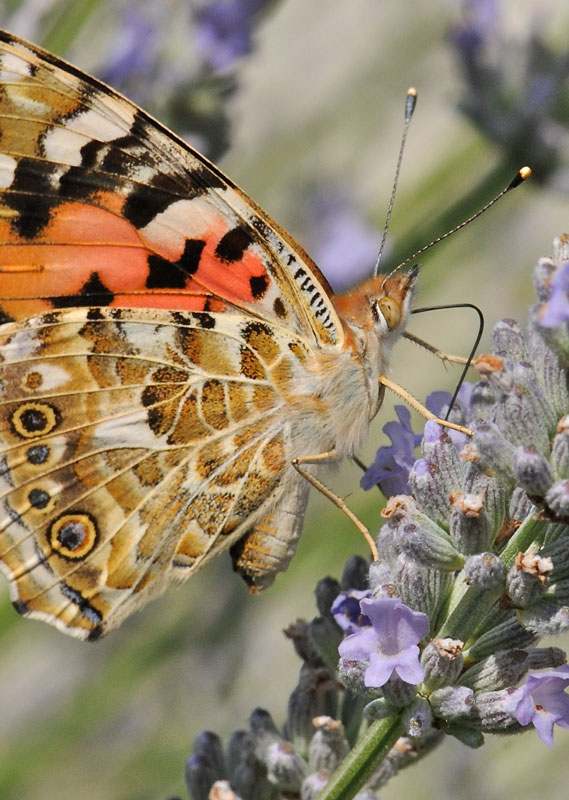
520 176
410 103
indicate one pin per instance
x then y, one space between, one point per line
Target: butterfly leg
338 501
435 351
399 390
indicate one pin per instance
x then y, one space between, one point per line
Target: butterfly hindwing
136 445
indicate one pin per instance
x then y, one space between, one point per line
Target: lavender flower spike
543 702
391 642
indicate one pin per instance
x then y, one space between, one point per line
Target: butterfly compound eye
391 311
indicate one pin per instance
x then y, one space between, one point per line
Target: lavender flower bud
468 735
442 661
241 745
551 373
313 785
527 579
250 780
508 667
379 709
557 500
329 745
520 505
430 545
558 552
485 483
509 340
507 635
560 449
355 574
418 587
532 471
352 675
484 399
381 579
484 570
542 275
263 728
285 766
438 449
494 449
199 775
452 702
326 636
430 494
208 744
315 694
545 618
469 527
327 589
526 381
559 591
494 712
398 692
519 416
418 718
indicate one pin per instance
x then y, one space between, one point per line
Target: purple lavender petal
556 311
393 463
358 646
390 644
346 610
543 702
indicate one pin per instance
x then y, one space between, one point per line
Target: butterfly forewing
101 205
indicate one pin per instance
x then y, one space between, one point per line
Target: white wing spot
13 68
7 169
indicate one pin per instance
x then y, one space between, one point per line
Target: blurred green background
318 103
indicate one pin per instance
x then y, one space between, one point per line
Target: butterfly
166 352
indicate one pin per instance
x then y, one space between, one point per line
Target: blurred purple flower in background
543 702
135 47
390 644
343 245
224 30
516 85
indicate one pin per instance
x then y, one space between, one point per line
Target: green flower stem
475 603
364 758
521 539
468 613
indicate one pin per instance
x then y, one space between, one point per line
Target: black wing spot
38 498
259 285
190 259
32 196
93 292
88 611
232 246
147 201
164 274
278 307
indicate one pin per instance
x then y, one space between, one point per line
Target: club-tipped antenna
521 175
410 103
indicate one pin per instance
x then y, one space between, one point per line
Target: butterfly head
379 307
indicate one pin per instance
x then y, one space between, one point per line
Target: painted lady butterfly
167 350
